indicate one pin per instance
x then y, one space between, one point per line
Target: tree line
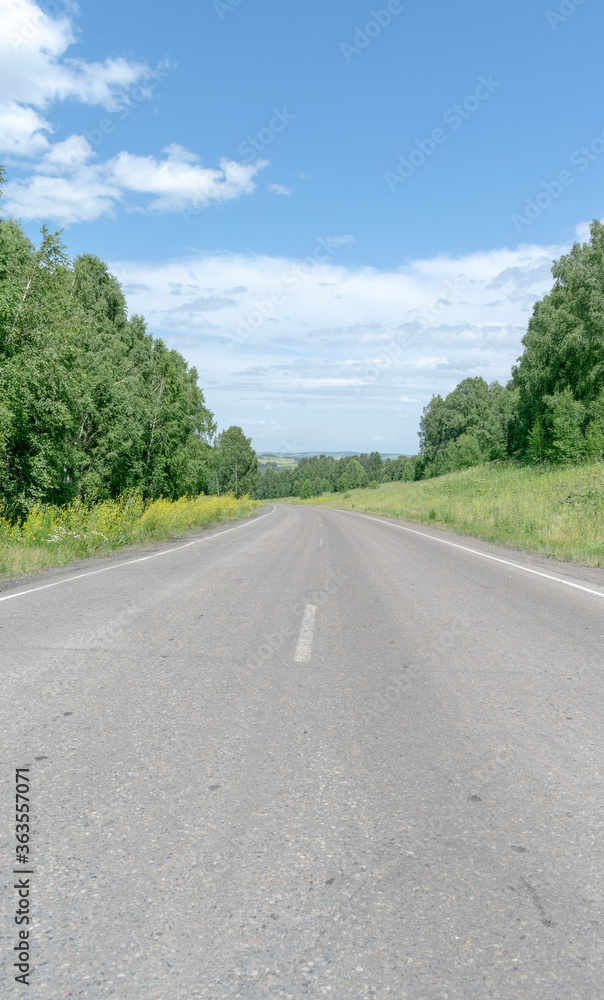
91 404
552 408
325 474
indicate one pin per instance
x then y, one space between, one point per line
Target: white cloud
82 197
66 157
583 231
280 189
22 130
66 182
365 307
179 181
70 189
341 341
35 71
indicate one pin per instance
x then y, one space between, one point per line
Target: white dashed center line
304 647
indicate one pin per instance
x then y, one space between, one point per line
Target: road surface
310 755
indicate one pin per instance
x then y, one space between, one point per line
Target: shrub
463 453
567 417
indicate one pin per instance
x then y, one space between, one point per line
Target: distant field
558 512
282 462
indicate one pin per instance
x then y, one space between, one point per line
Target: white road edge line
131 562
304 647
475 552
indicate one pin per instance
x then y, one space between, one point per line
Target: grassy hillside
558 512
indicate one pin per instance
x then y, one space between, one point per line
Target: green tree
355 474
536 444
485 412
463 453
372 465
564 344
235 463
567 418
90 403
269 485
594 434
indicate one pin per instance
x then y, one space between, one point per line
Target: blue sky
332 210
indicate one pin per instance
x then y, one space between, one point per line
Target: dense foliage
325 474
560 376
470 425
235 465
552 410
92 405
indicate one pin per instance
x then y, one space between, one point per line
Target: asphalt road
314 755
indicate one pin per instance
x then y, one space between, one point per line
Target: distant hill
296 456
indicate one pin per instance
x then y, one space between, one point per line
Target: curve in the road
131 562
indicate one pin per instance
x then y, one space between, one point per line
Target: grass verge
558 512
54 536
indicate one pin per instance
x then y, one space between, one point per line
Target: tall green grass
558 512
54 536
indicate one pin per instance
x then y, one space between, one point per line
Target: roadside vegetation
521 464
550 413
53 536
92 405
104 429
558 512
105 436
552 409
